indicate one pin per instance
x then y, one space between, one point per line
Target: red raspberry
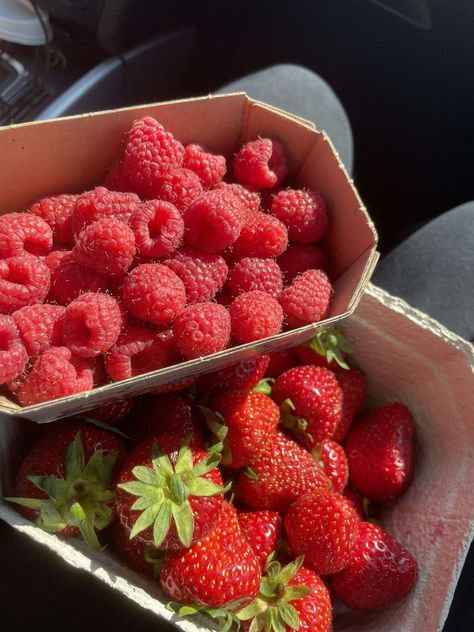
209 167
154 293
299 258
92 324
158 228
262 236
22 233
179 187
250 199
149 152
58 212
213 222
304 213
100 203
24 280
55 373
203 274
69 278
307 299
106 246
256 274
201 329
116 180
40 327
13 355
255 315
137 351
261 163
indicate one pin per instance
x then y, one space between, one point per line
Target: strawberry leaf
289 615
184 520
162 522
75 460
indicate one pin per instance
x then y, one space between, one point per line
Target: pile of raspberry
170 259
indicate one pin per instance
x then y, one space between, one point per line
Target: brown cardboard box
407 357
73 154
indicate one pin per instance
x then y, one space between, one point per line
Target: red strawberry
381 571
356 501
380 451
141 558
333 460
327 348
353 387
241 375
263 530
280 361
64 482
279 474
217 571
112 413
322 526
169 500
311 401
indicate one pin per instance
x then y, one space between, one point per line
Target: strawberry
356 501
168 499
279 473
311 401
327 348
141 558
333 460
381 571
322 526
280 361
352 383
241 375
263 530
65 481
380 452
113 413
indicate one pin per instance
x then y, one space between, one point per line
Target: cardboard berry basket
74 154
407 357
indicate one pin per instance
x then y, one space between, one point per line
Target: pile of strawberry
250 496
164 263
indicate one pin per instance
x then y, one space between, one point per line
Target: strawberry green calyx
330 342
225 616
216 424
264 386
291 421
82 499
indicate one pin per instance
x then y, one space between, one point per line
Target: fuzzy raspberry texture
255 315
58 212
106 246
298 258
249 198
201 329
261 163
40 327
154 293
203 274
307 299
261 236
24 280
214 221
92 324
100 203
137 351
256 274
13 355
150 151
116 180
211 168
179 187
304 213
158 228
69 278
55 373
22 233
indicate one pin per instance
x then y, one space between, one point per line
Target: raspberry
203 274
213 222
40 327
100 203
256 274
58 212
154 293
24 280
137 351
300 257
307 299
22 233
69 278
107 246
261 163
262 236
116 180
201 329
150 151
304 213
158 228
255 315
250 199
92 324
180 187
209 167
55 373
13 355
